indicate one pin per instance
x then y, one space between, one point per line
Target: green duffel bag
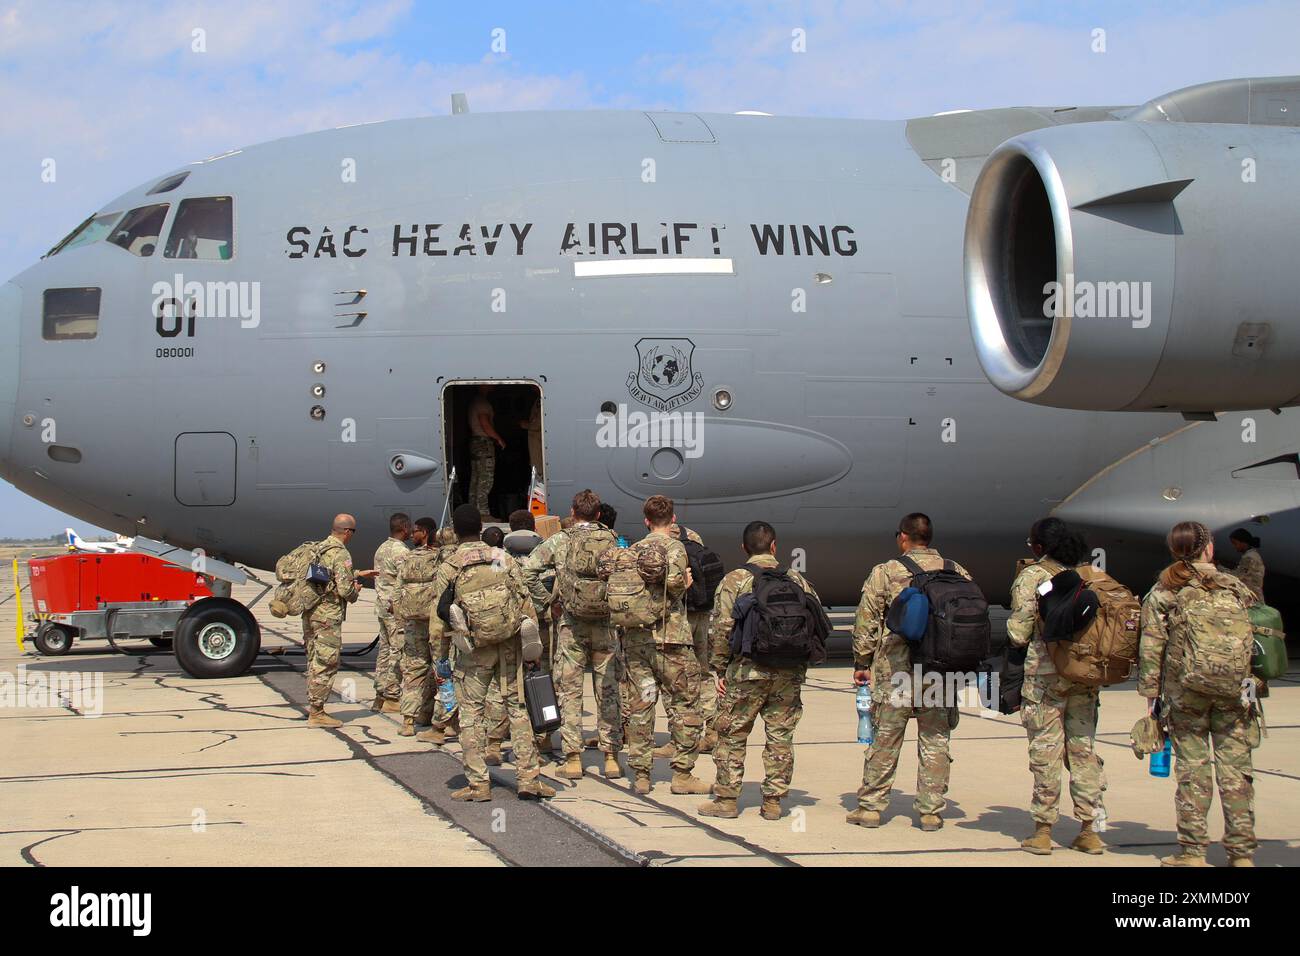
1268 660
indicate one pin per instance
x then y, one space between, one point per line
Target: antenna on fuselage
459 104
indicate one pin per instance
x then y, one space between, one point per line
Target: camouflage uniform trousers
419 688
388 659
323 640
708 705
482 471
776 695
881 761
498 720
476 672
673 671
580 643
1194 722
1060 719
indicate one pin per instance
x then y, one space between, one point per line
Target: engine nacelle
1139 266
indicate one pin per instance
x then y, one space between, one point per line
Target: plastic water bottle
866 733
1160 759
447 689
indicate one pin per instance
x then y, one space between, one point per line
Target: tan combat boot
316 717
612 769
572 769
378 704
408 727
1087 841
492 753
771 809
688 783
665 750
434 735
1184 858
535 790
1040 843
864 818
931 822
642 784
708 743
475 794
544 745
1241 861
724 807
391 707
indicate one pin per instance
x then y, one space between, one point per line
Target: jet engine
1140 264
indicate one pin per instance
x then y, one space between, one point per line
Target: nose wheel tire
217 637
52 640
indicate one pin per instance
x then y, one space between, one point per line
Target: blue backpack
909 614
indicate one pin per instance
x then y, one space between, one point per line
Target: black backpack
707 572
957 638
779 624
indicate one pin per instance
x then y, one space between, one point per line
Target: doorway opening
471 412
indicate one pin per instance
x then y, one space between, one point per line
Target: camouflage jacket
738 582
450 571
674 628
1160 652
544 561
1023 626
675 531
1250 571
874 648
387 557
342 589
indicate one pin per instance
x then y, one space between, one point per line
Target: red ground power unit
86 582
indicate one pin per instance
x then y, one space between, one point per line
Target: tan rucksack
1215 639
485 592
1104 652
415 597
581 588
629 572
295 594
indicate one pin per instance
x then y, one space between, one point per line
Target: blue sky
115 92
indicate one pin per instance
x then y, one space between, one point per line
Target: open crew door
513 409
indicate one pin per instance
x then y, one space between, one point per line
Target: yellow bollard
18 596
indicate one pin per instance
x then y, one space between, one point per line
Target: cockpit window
204 229
70 314
168 184
139 230
92 230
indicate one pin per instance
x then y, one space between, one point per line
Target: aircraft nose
11 300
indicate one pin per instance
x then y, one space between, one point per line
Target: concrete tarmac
187 772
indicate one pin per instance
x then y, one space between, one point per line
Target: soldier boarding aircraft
758 316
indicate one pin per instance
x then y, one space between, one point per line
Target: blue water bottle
866 733
1160 760
447 689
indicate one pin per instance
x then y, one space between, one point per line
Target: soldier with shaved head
322 626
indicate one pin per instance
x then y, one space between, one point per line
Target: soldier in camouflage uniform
322 626
417 695
661 660
1197 720
392 637
480 667
879 655
1250 566
578 642
1059 715
708 703
442 724
752 689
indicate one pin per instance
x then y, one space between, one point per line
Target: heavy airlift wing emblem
664 379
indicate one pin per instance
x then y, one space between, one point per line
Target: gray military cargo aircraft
758 316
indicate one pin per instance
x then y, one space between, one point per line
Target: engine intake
1139 266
